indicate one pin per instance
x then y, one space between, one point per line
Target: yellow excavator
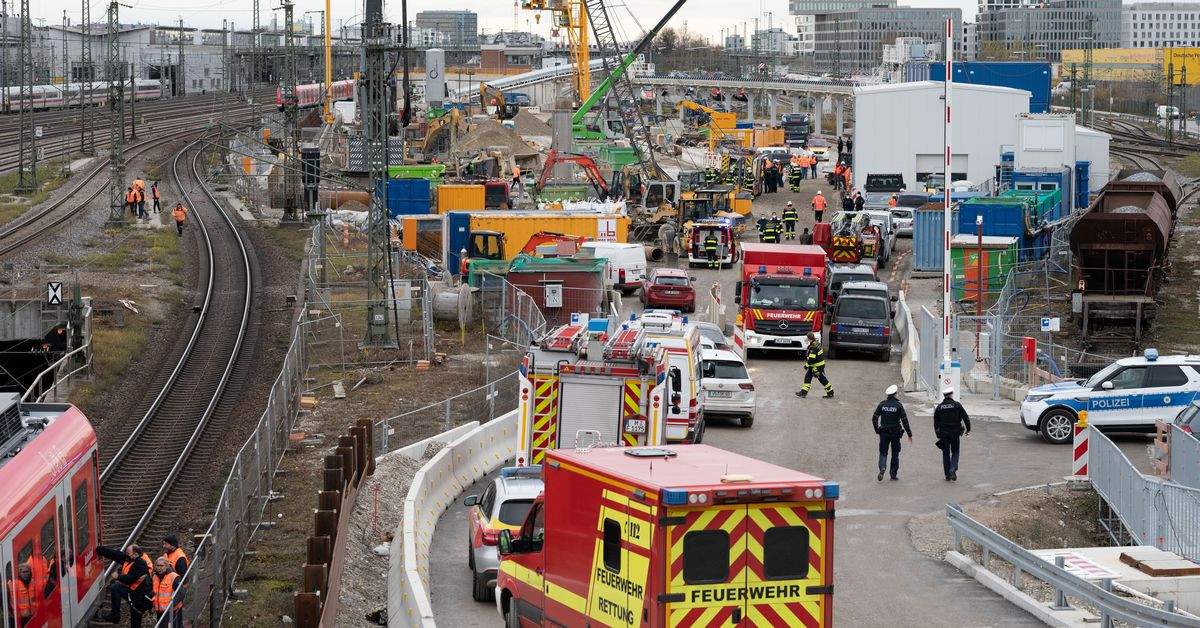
491 97
439 126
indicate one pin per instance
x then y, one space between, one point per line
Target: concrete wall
894 124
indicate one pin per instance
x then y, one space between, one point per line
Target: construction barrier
910 356
467 457
715 312
1079 448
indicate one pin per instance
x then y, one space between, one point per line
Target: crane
569 15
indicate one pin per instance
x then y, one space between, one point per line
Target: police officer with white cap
950 421
890 423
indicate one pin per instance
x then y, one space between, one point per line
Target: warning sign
1077 565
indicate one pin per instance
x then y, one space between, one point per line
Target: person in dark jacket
814 362
132 582
890 422
859 201
950 421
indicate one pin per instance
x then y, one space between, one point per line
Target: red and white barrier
1079 449
739 337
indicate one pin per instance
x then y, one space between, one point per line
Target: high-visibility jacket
815 357
154 191
179 214
24 599
819 202
130 196
891 202
790 214
175 556
164 588
125 567
711 243
139 185
516 172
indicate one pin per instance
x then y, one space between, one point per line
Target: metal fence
1142 509
930 326
1185 458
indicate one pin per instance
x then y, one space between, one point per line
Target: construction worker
837 176
950 421
803 167
790 218
132 583
818 206
154 194
812 165
814 359
131 200
892 202
516 180
139 186
846 179
778 174
166 583
711 245
172 552
890 423
794 175
25 598
180 216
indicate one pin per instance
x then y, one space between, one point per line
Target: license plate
720 394
784 341
635 426
859 330
671 292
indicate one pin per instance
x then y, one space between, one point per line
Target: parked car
912 200
626 263
876 200
1127 395
902 217
726 387
870 288
882 218
502 506
842 273
669 287
818 147
863 323
711 335
1188 419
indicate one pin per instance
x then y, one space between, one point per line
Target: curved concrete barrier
469 455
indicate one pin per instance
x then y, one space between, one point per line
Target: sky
707 17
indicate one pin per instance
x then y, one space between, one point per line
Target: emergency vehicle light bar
522 472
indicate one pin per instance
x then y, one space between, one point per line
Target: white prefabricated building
898 128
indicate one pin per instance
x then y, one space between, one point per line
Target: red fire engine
727 247
670 536
781 295
577 380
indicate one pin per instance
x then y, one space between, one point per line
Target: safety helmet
789 204
819 192
891 390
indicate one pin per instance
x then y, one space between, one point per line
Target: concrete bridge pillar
818 108
839 106
658 104
749 107
773 100
795 102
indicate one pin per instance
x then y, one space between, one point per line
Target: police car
1129 394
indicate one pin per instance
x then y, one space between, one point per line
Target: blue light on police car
831 490
1151 354
674 496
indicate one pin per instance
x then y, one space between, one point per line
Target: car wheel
886 356
1058 426
832 351
747 421
510 618
480 591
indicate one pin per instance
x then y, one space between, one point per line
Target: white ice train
69 95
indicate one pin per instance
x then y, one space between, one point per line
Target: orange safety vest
139 185
154 191
128 565
164 588
174 557
179 214
891 202
130 196
819 202
516 172
24 600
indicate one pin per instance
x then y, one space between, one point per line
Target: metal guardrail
1155 512
38 389
1099 596
1185 458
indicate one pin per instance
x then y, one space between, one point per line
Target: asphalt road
880 580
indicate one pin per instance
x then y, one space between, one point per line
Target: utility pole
1074 88
116 119
1183 102
181 70
87 141
837 46
375 134
255 75
291 120
226 61
132 102
1090 43
1170 122
66 76
27 165
4 52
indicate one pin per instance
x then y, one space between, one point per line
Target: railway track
157 470
35 224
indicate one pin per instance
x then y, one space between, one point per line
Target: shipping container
927 240
1001 216
580 284
1031 76
999 255
460 197
408 197
610 158
518 227
1047 204
1082 189
1062 179
432 172
560 192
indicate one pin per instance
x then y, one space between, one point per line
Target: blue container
1031 76
1083 171
927 239
1046 180
458 225
408 197
999 219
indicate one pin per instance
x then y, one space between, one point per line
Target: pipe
655 253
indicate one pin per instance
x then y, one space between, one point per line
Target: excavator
448 122
583 161
486 250
491 97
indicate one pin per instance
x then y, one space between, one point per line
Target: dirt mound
528 124
491 134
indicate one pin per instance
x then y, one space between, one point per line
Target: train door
33 585
81 567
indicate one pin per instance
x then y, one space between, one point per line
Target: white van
626 263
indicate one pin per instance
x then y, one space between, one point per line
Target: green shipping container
614 158
999 257
433 172
565 192
1046 203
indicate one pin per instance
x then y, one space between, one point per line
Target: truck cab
670 536
781 295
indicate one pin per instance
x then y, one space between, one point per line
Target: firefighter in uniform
710 250
890 423
814 367
950 421
710 176
818 206
769 233
790 218
748 177
794 175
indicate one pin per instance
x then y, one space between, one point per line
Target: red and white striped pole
949 370
1079 448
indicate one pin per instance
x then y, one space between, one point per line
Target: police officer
814 359
950 421
890 423
710 249
790 218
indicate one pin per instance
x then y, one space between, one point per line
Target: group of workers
776 228
135 201
144 584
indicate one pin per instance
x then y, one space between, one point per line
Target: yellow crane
570 15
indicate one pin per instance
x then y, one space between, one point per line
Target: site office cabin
673 535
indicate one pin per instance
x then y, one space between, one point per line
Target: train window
26 553
49 546
62 534
83 536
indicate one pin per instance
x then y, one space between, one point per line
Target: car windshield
1101 375
902 213
714 335
835 284
668 280
513 511
784 296
875 292
1188 414
725 369
862 308
817 144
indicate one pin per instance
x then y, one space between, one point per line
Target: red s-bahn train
49 515
313 95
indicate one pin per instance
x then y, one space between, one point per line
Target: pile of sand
528 124
489 134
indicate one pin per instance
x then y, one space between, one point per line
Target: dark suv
861 322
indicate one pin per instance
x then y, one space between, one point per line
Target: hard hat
789 204
891 390
818 192
947 391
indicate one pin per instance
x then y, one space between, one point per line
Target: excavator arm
490 96
550 237
583 161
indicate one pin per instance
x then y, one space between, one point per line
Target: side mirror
676 385
692 279
893 298
504 543
675 399
471 500
737 299
1106 386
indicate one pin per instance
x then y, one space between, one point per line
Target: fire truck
670 536
671 331
781 295
575 380
727 246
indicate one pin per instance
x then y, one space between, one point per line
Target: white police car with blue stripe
1127 395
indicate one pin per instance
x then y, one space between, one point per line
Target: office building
817 7
1160 24
735 42
1047 29
967 48
806 33
770 41
460 27
852 41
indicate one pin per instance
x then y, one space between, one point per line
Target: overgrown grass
113 349
291 240
51 175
